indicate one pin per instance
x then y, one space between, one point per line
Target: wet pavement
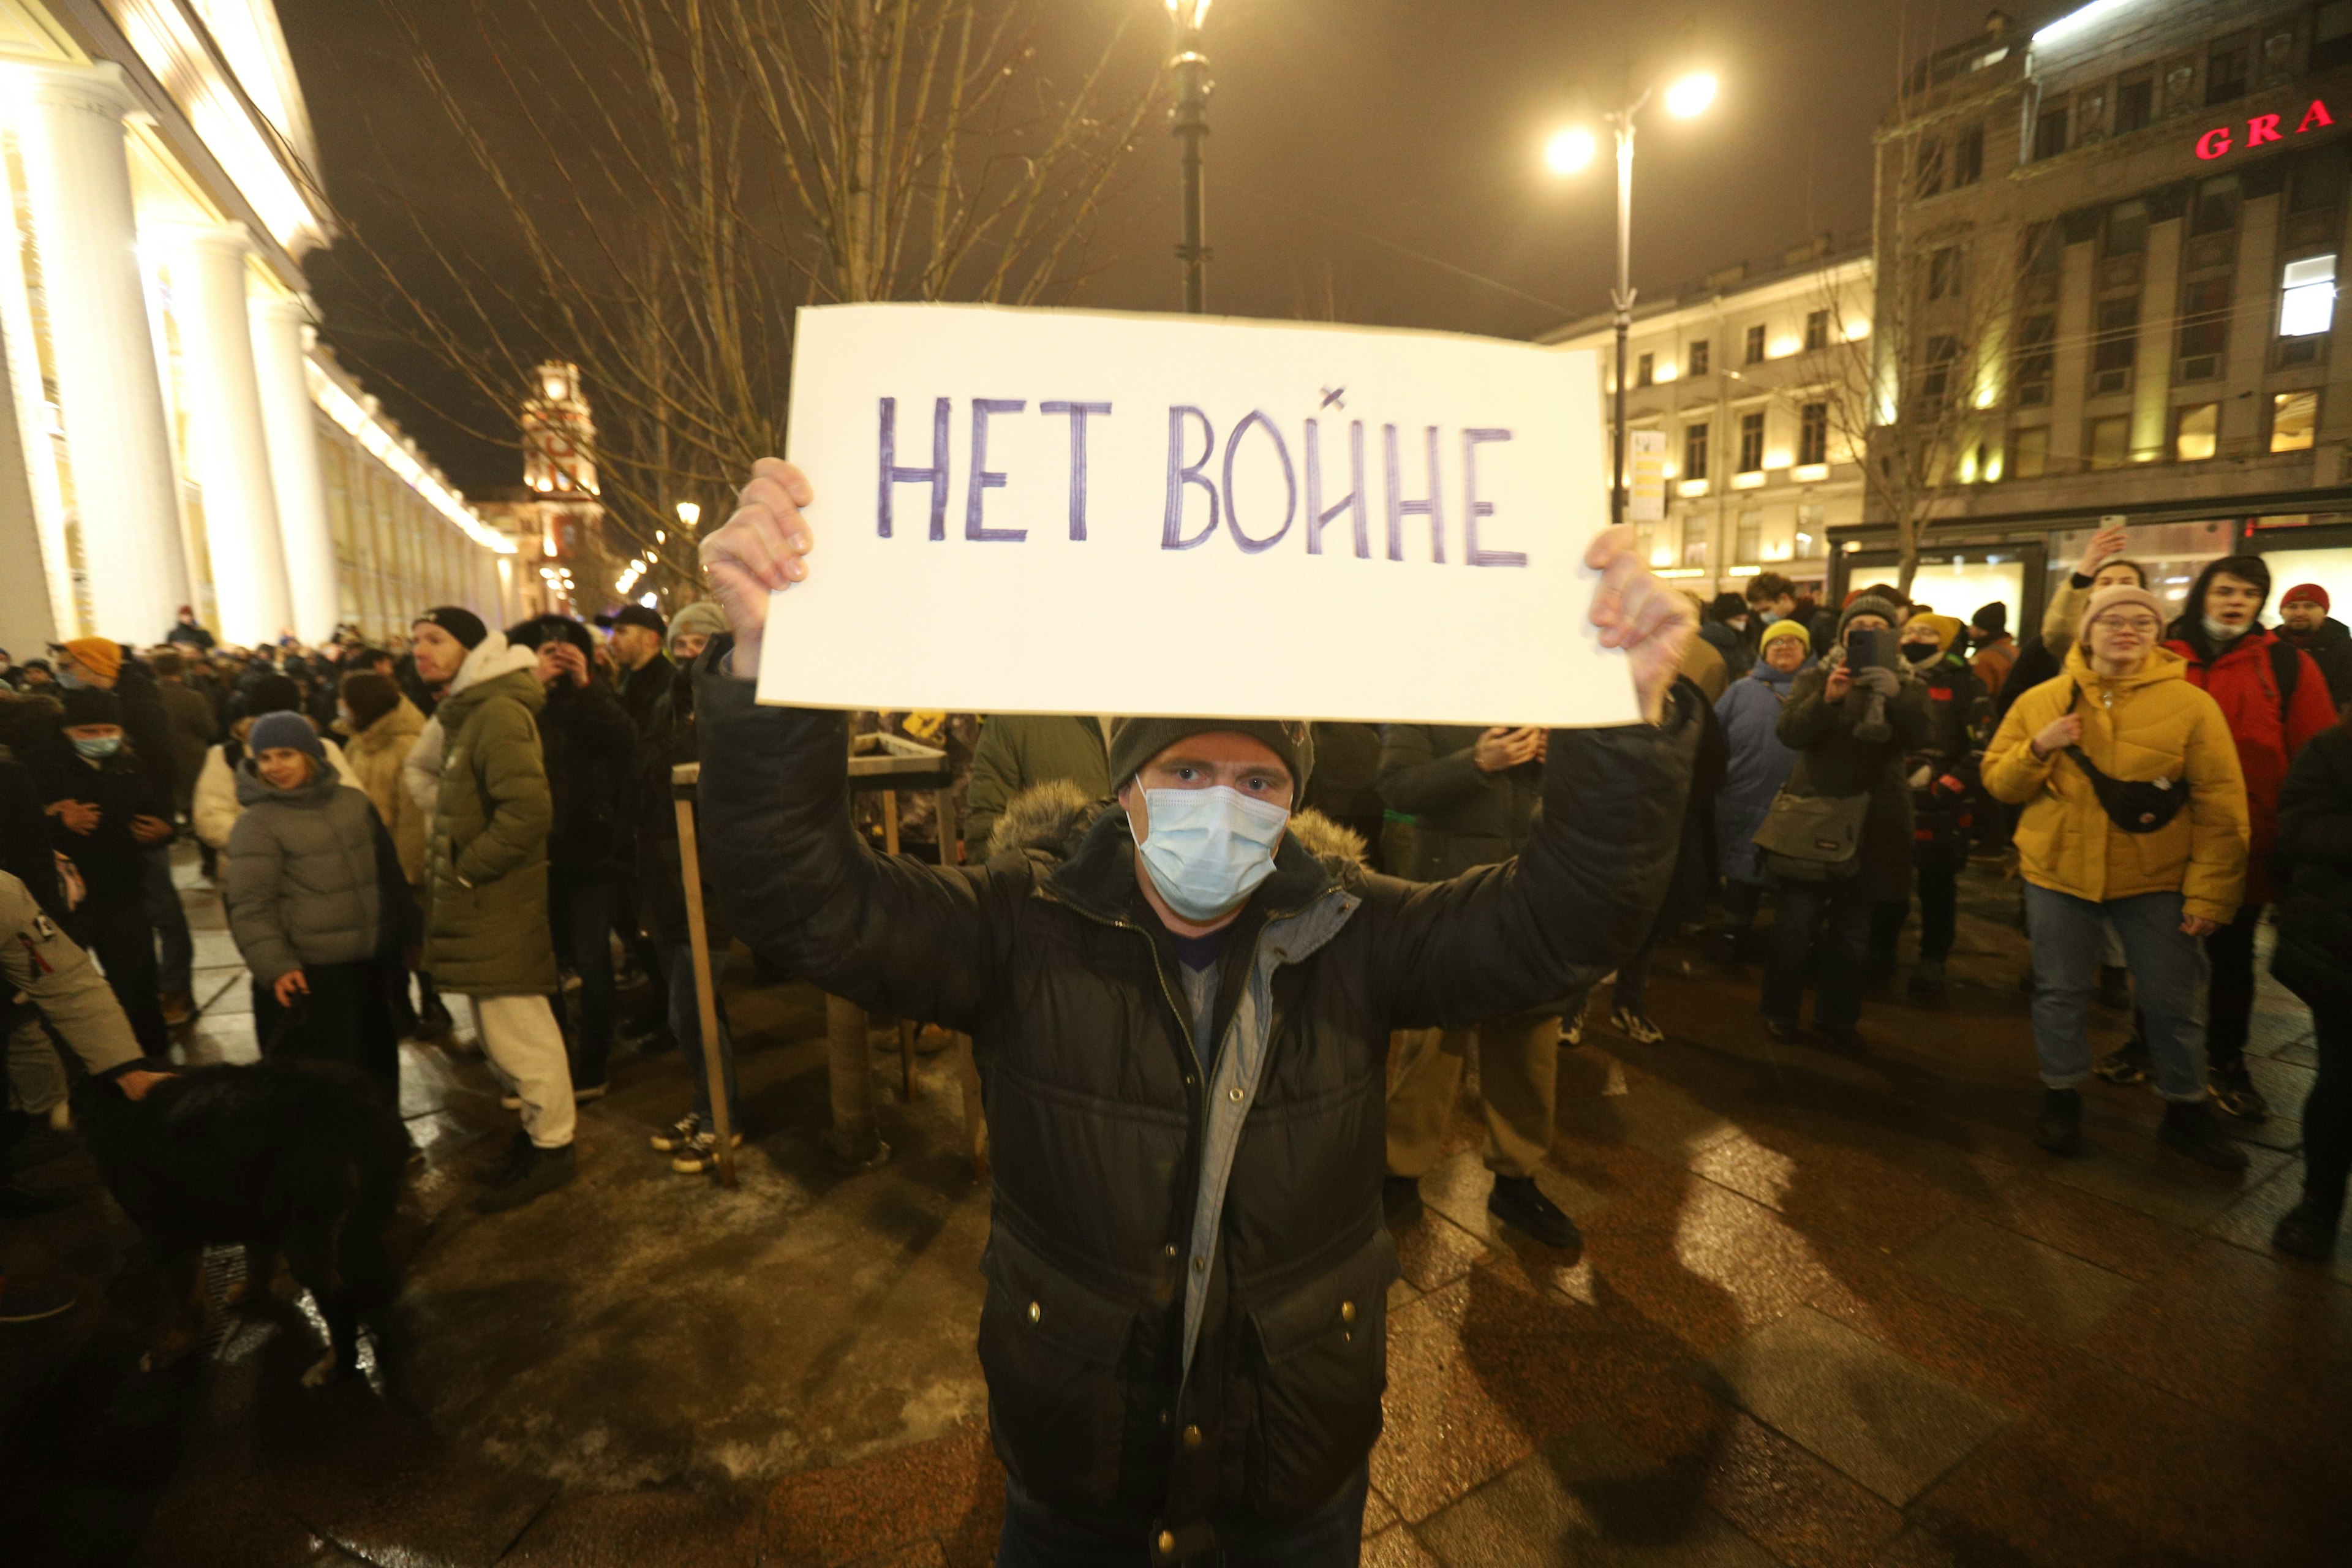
1832 1308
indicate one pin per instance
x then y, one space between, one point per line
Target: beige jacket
376 753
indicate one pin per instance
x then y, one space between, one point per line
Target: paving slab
2058 1293
1877 1415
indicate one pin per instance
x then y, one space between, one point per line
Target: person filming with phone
1837 840
1181 1023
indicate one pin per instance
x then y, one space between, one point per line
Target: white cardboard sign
1063 511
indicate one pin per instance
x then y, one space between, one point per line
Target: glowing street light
688 514
1190 118
1569 152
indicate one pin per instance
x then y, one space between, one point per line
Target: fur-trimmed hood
1046 822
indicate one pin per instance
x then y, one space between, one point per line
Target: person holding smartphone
1851 720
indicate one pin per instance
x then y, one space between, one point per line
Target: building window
2307 296
2109 443
1751 442
2317 182
2217 206
2226 70
2126 229
2135 103
2295 420
2116 347
1817 330
1748 539
1936 375
2204 327
1693 542
2331 35
1928 165
1699 357
2043 252
1812 532
1693 453
1944 272
1968 157
1812 435
2050 132
2196 432
2028 453
2035 360
1753 347
1645 370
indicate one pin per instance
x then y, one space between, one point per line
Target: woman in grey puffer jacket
318 904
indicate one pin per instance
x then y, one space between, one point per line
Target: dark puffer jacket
2314 840
1462 816
1832 761
1097 1105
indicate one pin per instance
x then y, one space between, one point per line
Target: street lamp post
1570 151
1190 120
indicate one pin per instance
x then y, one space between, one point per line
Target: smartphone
1872 647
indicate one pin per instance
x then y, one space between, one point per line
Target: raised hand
1635 612
759 551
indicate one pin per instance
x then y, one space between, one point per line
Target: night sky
1345 135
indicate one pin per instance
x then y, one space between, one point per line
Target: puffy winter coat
215 807
2330 648
2270 726
590 748
1462 816
307 878
1831 761
1019 751
1100 1112
1758 766
2150 724
2315 912
486 856
376 755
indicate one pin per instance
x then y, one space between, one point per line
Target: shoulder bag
2135 805
1812 837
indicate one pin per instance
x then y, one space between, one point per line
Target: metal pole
1191 120
1622 300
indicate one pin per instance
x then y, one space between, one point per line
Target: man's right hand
759 551
1504 747
79 816
2105 546
2058 734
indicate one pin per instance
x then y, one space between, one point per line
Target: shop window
1812 434
2108 442
1751 442
2196 432
1693 452
2294 421
2028 453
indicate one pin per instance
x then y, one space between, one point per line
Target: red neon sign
2219 141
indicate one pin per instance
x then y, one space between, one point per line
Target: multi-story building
557 514
2117 236
1730 372
176 435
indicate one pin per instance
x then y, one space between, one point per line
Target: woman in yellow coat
2124 703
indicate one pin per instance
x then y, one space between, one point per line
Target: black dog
291 1156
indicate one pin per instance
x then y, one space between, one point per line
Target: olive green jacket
486 930
1020 751
1462 818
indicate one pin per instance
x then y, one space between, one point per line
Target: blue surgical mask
98 748
1208 848
71 680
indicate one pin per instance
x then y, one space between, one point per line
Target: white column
280 358
227 445
110 394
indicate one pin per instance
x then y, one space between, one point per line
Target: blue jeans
580 920
1841 915
686 1026
2169 971
1036 1537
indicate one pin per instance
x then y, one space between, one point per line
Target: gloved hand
1878 683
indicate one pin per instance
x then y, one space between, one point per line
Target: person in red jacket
2275 700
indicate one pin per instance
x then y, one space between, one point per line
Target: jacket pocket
1055 1354
1321 1365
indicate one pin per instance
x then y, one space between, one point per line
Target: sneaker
2115 988
1634 1027
1400 1199
1926 978
179 1008
582 1093
517 1149
31 1303
2306 1231
702 1154
2127 1064
2233 1093
539 1171
2059 1128
1518 1203
2189 1126
1782 1031
677 1134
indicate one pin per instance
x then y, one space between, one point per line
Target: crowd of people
486 816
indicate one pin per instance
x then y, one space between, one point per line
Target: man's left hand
135 1083
2198 925
1651 622
150 829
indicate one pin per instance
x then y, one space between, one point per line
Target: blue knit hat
290 731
